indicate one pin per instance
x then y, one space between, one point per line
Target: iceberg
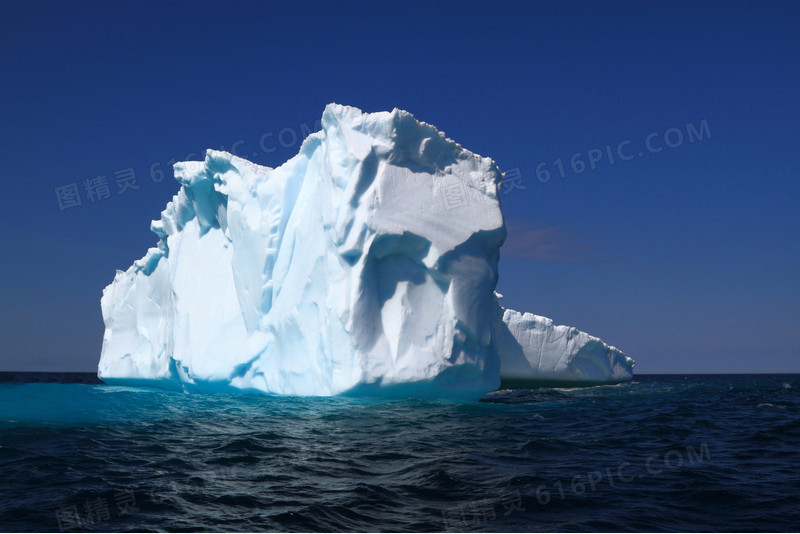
535 352
366 264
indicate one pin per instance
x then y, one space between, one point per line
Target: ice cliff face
344 270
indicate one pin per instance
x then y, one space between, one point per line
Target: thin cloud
526 240
545 243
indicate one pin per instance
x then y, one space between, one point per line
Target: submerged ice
348 269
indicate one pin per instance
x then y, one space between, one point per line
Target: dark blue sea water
664 453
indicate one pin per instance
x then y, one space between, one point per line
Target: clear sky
669 131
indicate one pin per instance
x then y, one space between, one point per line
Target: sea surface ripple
663 453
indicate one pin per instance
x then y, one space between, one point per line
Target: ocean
662 453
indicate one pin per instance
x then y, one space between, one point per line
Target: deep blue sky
687 258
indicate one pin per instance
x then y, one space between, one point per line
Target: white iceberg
365 264
534 351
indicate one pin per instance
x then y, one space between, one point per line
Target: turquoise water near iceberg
663 453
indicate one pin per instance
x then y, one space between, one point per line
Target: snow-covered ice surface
366 264
534 351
